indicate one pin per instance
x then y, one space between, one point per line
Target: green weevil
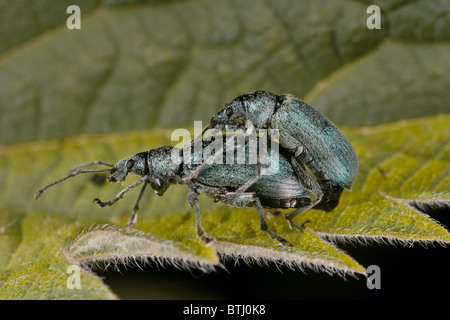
305 132
235 184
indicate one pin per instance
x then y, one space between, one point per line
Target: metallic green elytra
305 132
302 126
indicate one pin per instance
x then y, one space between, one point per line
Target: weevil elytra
305 132
240 185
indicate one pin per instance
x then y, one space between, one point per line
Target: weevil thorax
161 163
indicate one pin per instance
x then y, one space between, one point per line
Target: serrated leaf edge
266 256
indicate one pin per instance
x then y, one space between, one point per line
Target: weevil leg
249 183
120 194
133 219
311 185
331 192
249 199
305 179
291 215
265 227
193 202
196 172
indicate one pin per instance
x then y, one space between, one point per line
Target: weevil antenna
71 174
84 165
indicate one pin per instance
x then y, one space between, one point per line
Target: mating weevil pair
308 135
307 140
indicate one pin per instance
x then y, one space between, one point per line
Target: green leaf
138 69
32 264
47 279
395 172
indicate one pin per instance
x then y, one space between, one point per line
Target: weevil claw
207 240
299 227
281 240
100 203
286 243
37 195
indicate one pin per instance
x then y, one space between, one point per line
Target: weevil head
331 199
256 107
136 164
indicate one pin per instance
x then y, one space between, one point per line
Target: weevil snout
118 172
136 164
223 122
232 114
111 177
218 122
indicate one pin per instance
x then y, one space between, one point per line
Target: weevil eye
156 184
229 112
130 164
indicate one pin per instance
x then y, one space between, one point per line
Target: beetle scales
308 134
